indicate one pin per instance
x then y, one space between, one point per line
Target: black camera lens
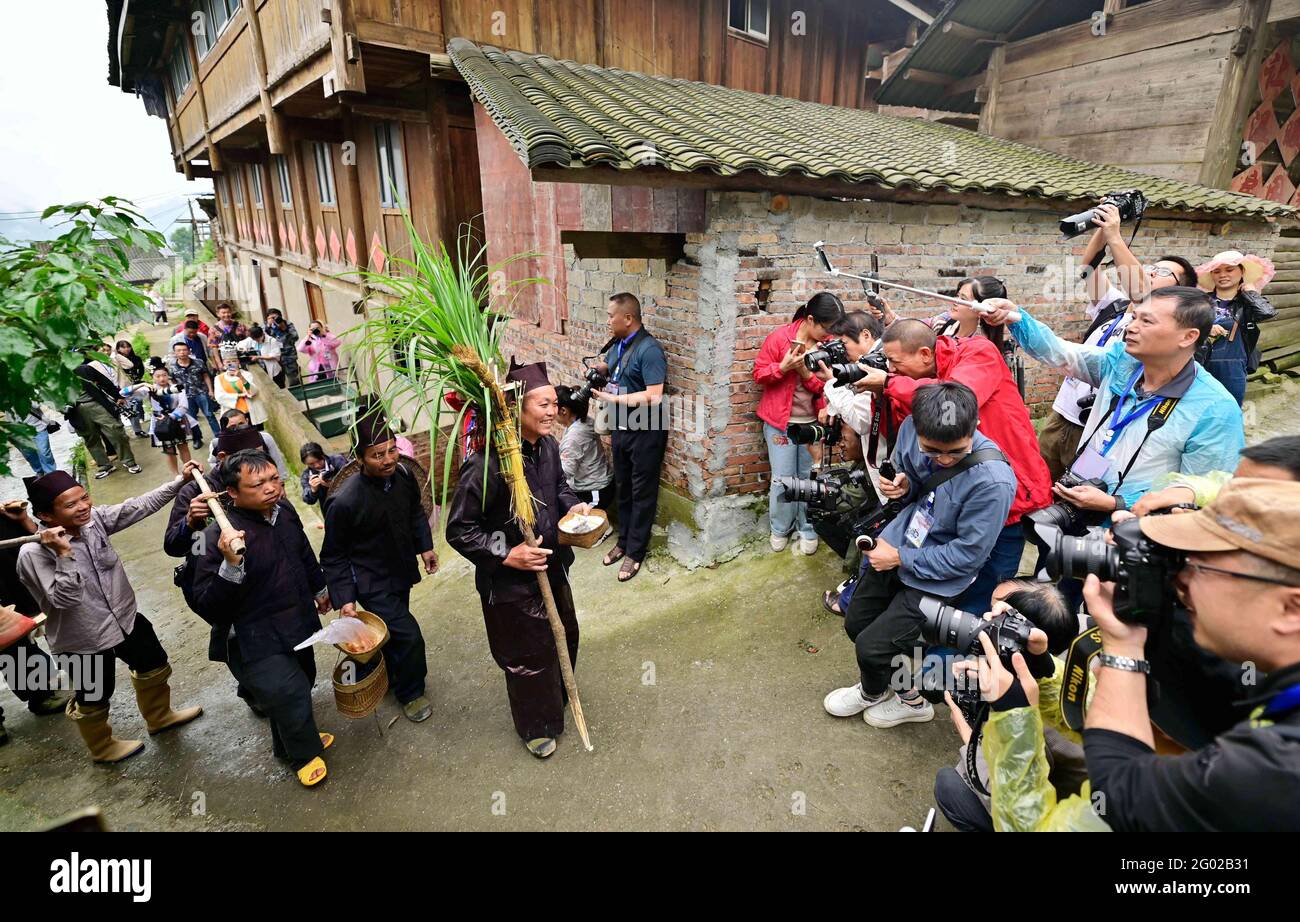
799 490
946 626
1077 557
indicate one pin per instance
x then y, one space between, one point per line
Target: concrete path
702 691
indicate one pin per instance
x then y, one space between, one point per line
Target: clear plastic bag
342 630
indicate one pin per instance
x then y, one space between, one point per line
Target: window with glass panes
324 172
392 170
748 17
282 173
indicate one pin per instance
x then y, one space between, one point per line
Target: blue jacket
968 514
1204 433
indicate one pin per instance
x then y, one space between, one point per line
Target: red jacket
977 363
778 389
203 329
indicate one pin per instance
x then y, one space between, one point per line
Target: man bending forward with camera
957 488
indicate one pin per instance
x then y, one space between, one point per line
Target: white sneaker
892 711
779 542
845 702
806 546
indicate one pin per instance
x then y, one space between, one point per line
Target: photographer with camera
1157 410
792 395
1110 311
1240 586
582 456
636 370
859 332
917 357
964 800
958 488
319 468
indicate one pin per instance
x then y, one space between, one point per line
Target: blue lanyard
1109 330
1140 409
618 362
1286 700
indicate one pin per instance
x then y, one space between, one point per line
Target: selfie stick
820 245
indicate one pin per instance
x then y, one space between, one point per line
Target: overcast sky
65 134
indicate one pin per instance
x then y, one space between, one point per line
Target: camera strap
942 476
1074 684
1158 416
880 413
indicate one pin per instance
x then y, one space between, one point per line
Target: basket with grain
587 538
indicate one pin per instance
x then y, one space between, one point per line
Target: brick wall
754 265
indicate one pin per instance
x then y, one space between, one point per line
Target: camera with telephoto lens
822 491
1130 204
945 626
594 379
1142 570
808 433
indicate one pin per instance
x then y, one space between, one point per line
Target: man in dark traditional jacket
375 529
482 528
275 594
189 518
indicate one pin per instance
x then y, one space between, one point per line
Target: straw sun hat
1256 270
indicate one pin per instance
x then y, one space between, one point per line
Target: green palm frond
441 334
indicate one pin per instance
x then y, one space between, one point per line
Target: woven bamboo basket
591 538
359 699
374 622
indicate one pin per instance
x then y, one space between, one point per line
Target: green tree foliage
61 297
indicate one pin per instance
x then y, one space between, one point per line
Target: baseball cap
1253 514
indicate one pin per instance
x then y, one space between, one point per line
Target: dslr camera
844 370
1130 204
843 506
1142 570
593 379
1067 517
807 433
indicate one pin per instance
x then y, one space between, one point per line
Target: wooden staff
506 441
561 641
218 513
15 542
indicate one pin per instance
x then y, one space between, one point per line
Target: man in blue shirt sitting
957 487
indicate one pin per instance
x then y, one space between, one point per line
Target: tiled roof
579 115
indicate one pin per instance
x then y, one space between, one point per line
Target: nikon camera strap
1158 416
1074 684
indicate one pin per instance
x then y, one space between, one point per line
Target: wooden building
688 152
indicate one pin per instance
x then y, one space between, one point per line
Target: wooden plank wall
824 62
1139 96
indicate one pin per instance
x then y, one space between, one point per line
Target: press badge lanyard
1141 408
617 367
1110 329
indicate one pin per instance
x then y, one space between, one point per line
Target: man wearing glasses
1241 590
957 488
1111 313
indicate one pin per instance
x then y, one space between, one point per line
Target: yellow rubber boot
154 697
92 723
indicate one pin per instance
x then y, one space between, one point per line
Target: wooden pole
15 542
236 545
561 641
